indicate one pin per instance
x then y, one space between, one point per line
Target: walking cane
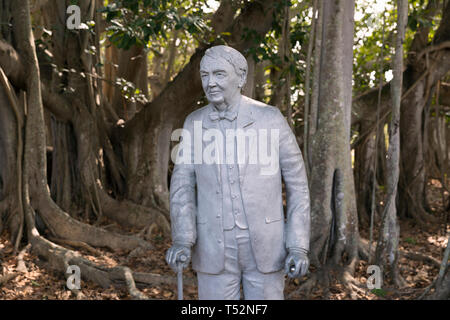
180 276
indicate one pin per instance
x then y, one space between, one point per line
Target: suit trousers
240 267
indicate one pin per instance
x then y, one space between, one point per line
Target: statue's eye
220 74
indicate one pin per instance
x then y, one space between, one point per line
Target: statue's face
219 80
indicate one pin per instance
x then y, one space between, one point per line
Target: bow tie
229 115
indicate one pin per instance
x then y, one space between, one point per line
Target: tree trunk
132 66
31 175
11 148
316 81
312 35
364 174
333 207
260 80
419 78
249 88
423 76
387 247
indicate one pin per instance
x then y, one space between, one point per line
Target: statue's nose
212 82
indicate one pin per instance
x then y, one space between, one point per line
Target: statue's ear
242 80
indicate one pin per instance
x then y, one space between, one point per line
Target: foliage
368 43
410 240
369 33
151 23
130 92
267 48
138 22
379 292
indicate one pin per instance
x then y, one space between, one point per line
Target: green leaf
410 241
379 292
35 284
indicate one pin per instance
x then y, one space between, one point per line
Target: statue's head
223 71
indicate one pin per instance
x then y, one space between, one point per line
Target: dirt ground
421 250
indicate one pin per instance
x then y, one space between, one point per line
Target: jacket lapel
245 121
207 124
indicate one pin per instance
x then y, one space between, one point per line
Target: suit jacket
196 198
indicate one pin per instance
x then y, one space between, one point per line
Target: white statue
228 212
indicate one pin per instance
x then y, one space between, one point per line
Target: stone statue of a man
226 202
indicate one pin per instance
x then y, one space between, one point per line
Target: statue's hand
297 263
174 254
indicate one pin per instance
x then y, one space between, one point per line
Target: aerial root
351 285
76 244
7 277
59 258
21 267
324 277
64 227
421 257
306 287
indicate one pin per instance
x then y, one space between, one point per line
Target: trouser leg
240 265
226 285
257 285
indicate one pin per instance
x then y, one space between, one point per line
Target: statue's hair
234 57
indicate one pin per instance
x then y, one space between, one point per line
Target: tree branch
440 46
187 83
55 103
12 65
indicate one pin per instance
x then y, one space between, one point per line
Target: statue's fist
178 254
297 263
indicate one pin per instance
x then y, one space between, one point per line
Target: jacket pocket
272 219
275 216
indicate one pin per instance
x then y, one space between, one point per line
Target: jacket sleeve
297 191
183 206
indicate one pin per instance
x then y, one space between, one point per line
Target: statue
226 190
